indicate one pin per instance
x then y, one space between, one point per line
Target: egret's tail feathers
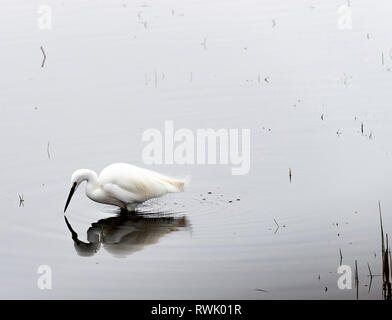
179 184
183 183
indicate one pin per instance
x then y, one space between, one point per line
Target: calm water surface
282 69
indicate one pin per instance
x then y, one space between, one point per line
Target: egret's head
77 178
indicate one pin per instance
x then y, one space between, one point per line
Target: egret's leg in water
131 207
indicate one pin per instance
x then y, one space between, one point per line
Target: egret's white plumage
124 185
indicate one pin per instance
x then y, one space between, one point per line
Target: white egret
123 185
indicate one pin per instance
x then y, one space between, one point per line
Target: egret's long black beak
70 196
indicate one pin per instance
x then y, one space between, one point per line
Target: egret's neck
89 176
93 190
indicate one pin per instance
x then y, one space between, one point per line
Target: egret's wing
141 184
121 194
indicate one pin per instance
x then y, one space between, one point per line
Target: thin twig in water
277 226
341 256
43 61
21 200
261 290
370 271
370 284
204 44
47 149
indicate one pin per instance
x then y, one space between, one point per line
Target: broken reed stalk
386 261
390 262
370 271
382 239
356 277
386 266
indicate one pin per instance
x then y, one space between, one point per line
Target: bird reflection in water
125 234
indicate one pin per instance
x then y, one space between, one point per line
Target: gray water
283 69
